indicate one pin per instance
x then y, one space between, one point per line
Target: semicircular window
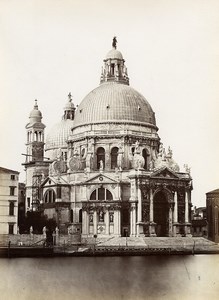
145 154
101 194
49 196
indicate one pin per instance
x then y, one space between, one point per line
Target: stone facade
8 201
36 165
112 175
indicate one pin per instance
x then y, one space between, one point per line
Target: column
175 215
119 222
116 222
186 207
131 221
84 222
95 222
107 222
187 224
151 206
134 220
170 220
139 205
151 215
140 229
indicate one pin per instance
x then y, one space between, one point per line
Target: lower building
212 203
8 201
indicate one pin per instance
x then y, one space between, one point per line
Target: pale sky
49 48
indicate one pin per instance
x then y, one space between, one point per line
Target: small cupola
35 115
69 109
114 69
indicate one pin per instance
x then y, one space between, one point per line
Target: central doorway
125 222
161 214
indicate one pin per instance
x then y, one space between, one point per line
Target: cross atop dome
70 97
35 105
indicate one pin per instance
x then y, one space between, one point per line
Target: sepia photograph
109 122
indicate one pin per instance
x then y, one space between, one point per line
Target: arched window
83 152
35 136
11 208
109 195
100 157
93 196
40 136
101 194
114 155
145 155
50 196
112 69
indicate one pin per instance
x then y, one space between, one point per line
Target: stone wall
38 239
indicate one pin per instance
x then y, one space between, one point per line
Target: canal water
148 277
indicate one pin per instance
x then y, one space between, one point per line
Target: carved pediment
101 179
53 180
164 173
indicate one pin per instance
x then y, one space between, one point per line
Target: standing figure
101 165
114 42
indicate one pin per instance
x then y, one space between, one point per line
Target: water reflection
149 277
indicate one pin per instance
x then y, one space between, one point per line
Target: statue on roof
114 42
187 169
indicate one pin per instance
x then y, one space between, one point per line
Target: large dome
115 102
58 135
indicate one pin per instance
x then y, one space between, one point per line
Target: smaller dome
114 54
35 114
58 135
69 106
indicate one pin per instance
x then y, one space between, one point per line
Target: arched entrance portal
161 214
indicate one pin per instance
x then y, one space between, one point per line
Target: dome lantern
114 69
35 115
69 109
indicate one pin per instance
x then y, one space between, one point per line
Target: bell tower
35 166
35 136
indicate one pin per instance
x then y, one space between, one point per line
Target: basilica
102 170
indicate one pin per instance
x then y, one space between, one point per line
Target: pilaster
151 215
187 224
175 215
107 222
140 230
95 222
